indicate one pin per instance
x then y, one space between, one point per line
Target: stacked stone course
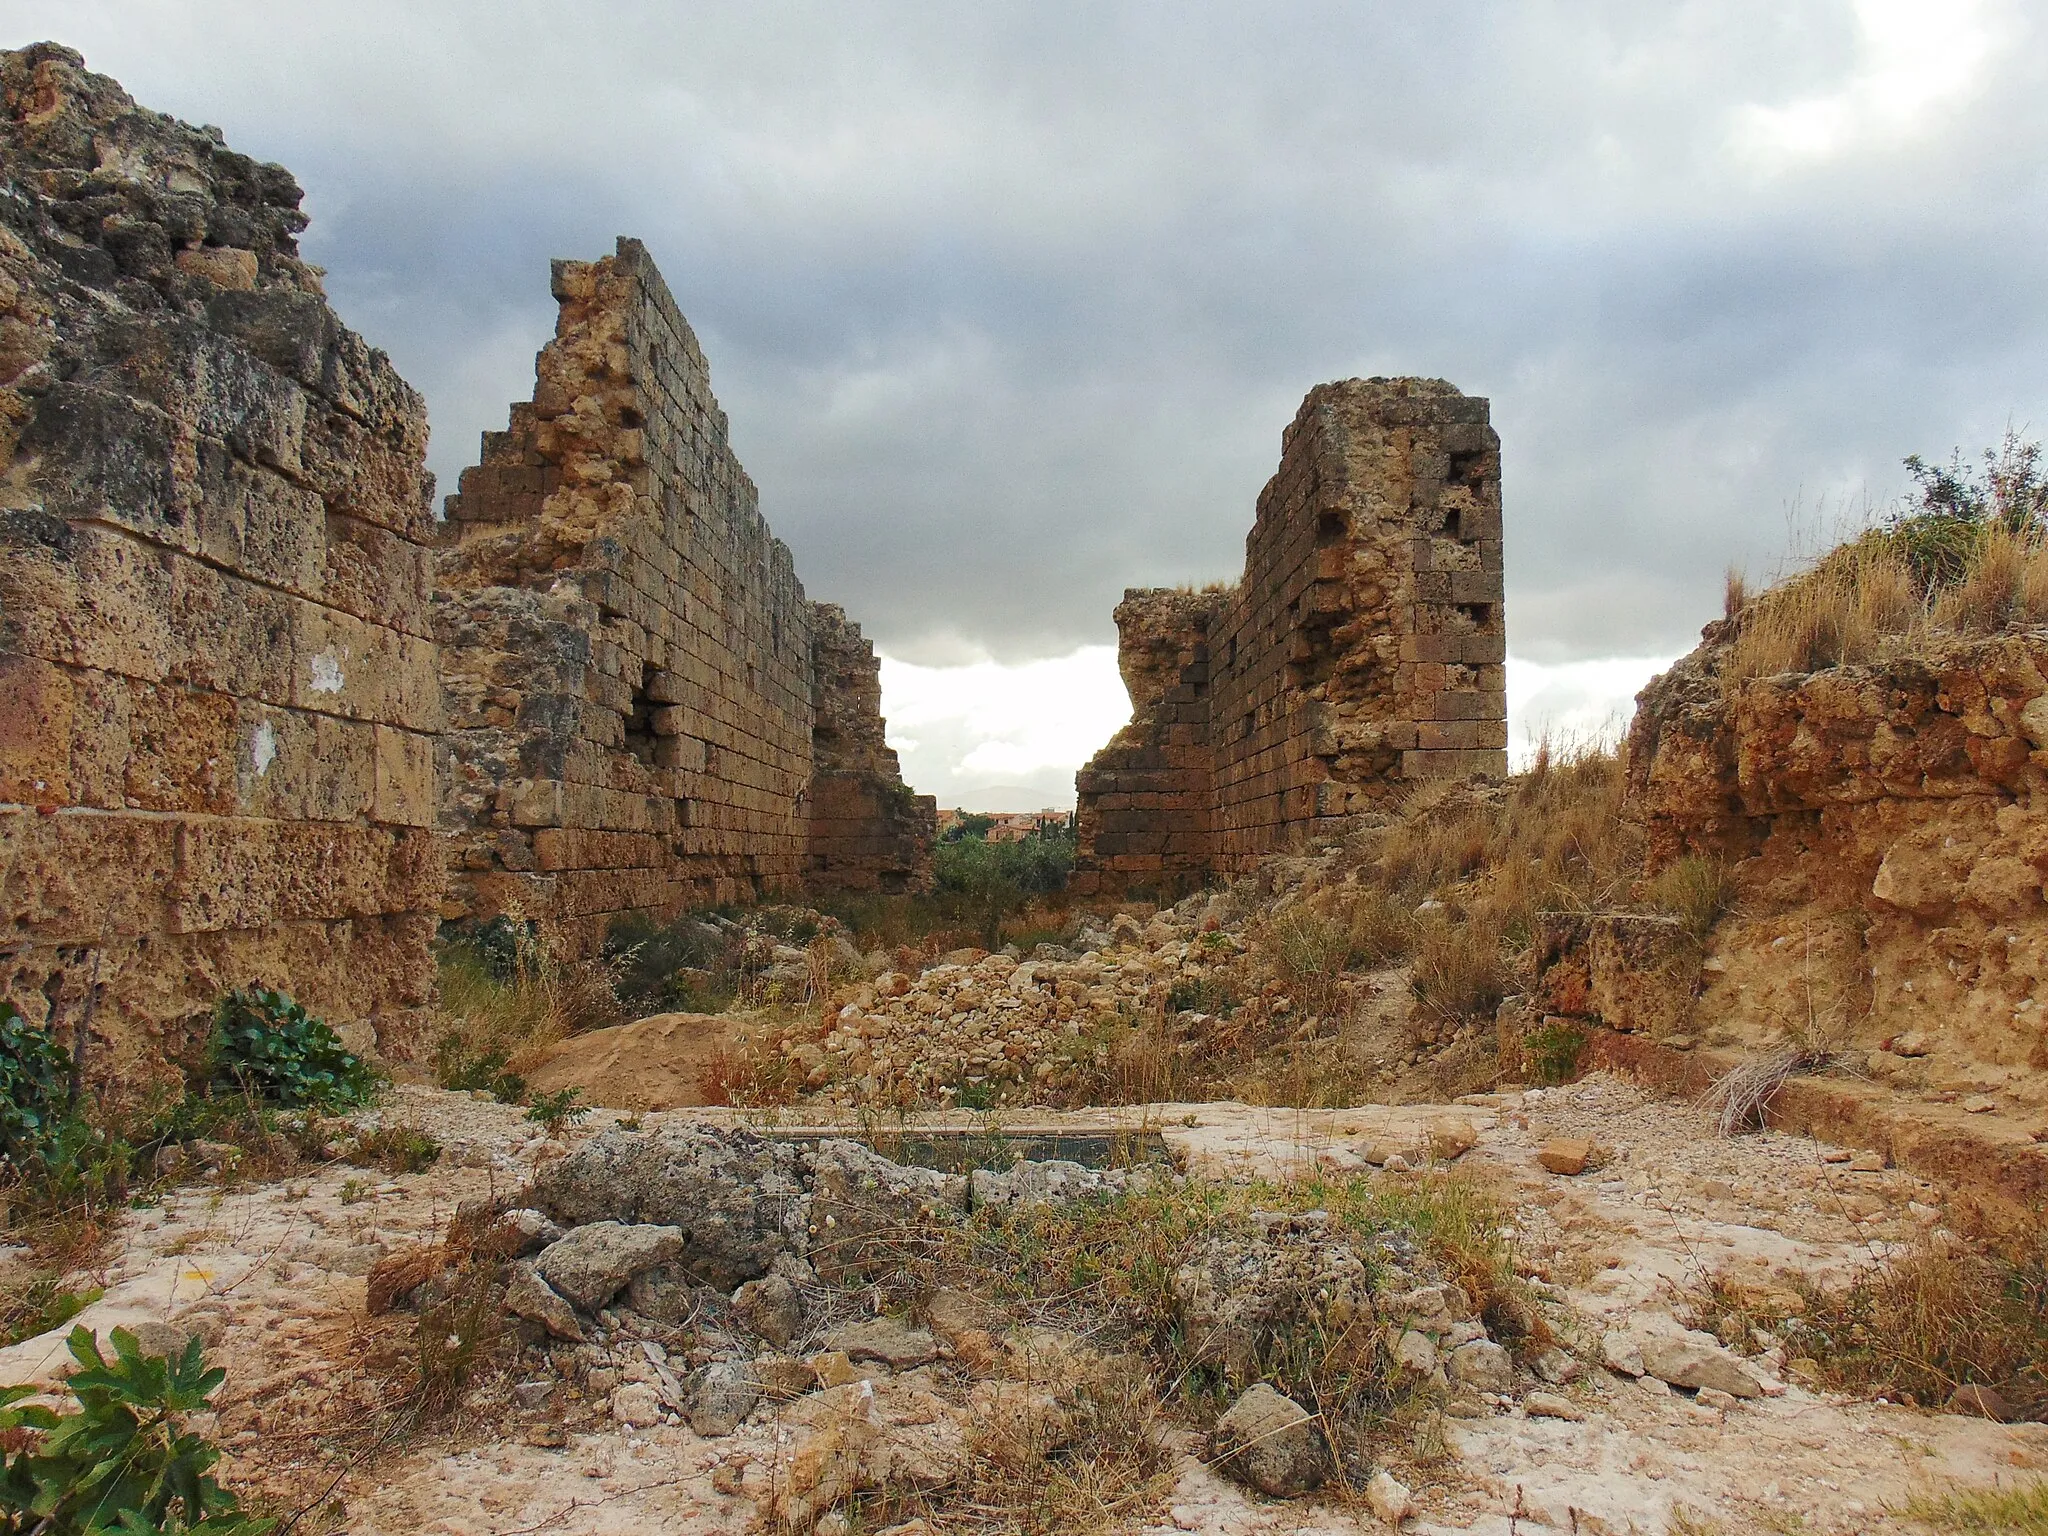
1363 649
218 695
868 832
635 677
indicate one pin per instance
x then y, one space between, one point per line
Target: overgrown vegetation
268 1046
985 884
1968 557
2018 1510
122 1460
507 998
1913 1327
1106 1268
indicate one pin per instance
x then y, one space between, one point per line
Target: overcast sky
1008 304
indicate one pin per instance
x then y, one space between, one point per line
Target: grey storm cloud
1008 303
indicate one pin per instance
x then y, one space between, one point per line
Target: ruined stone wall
1362 650
217 689
1146 802
629 659
868 831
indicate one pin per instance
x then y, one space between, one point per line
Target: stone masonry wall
629 659
217 689
1362 650
868 832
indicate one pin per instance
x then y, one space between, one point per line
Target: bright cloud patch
1574 702
986 736
991 737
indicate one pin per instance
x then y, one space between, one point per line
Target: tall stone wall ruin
1362 650
636 681
218 695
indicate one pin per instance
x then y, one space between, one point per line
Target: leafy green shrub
556 1112
986 882
1552 1050
122 1461
266 1045
35 1086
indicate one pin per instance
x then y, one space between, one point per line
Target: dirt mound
659 1062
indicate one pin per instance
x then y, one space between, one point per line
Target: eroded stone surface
1362 649
217 687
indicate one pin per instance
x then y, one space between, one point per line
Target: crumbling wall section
1146 801
868 831
629 658
1363 649
217 687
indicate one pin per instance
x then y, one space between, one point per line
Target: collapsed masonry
217 688
646 713
1362 650
222 747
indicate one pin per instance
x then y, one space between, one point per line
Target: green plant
354 1191
1552 1051
987 883
266 1045
122 1461
556 1112
461 1068
396 1148
35 1079
41 1305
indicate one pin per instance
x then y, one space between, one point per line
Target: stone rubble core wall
634 676
217 688
1363 649
1885 827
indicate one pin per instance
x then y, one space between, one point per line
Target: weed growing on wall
266 1045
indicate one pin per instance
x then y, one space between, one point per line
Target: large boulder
1271 1443
1238 1294
592 1264
736 1198
1693 1359
868 1212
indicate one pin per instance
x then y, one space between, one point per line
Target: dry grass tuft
2020 1510
1742 1098
1893 590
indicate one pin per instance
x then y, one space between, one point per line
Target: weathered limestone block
1362 649
217 687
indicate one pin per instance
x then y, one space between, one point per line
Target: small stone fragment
530 1297
720 1396
1389 1498
1566 1154
1483 1366
1271 1443
892 1343
1548 1405
1714 1397
1696 1360
1415 1352
1555 1366
1867 1162
770 1307
1980 1403
637 1405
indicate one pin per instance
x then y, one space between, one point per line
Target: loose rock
1271 1443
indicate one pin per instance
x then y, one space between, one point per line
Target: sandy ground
274 1275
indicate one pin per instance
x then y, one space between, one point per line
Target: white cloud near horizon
986 736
